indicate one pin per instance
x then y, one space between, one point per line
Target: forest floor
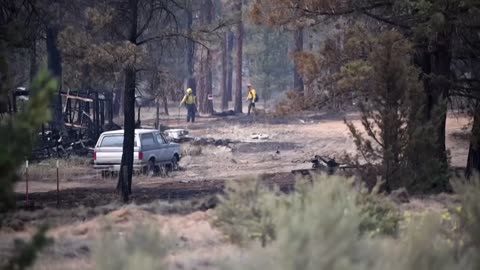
181 202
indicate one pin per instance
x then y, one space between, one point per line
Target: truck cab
151 151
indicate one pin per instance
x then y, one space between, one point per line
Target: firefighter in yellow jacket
189 101
251 98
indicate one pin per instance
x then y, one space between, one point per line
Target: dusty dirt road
290 141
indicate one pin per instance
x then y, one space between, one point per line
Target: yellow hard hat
189 90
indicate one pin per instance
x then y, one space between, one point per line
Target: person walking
251 98
189 100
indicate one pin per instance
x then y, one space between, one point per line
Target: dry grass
192 150
46 170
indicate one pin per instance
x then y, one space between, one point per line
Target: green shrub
468 215
320 230
19 130
143 249
246 212
27 252
380 215
249 210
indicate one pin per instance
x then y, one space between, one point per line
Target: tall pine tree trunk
165 104
209 10
298 47
124 184
473 161
190 82
231 40
33 60
436 67
239 43
208 85
55 67
223 83
157 113
117 101
435 62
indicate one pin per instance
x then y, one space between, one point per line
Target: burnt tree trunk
157 113
205 74
436 67
55 67
165 104
231 39
124 185
190 82
223 82
473 160
201 83
208 85
435 63
298 47
117 101
208 103
239 43
33 60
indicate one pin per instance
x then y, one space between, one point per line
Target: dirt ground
87 200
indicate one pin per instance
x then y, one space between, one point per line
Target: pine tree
395 138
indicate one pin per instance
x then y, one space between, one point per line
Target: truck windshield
114 141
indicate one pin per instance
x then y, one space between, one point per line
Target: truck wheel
174 164
163 171
151 168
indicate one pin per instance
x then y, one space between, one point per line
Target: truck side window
160 139
147 140
114 141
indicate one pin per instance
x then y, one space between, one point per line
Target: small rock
400 195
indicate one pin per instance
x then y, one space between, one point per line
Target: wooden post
26 182
58 186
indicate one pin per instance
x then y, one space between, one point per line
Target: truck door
162 148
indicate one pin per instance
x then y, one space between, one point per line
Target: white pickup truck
151 153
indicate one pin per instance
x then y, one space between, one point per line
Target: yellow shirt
188 99
252 94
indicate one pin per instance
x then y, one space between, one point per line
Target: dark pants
250 106
191 112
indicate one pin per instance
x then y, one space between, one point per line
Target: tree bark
436 67
165 104
124 184
473 160
223 83
435 63
208 103
209 85
190 81
55 67
298 47
117 101
157 113
129 134
238 88
33 60
231 39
